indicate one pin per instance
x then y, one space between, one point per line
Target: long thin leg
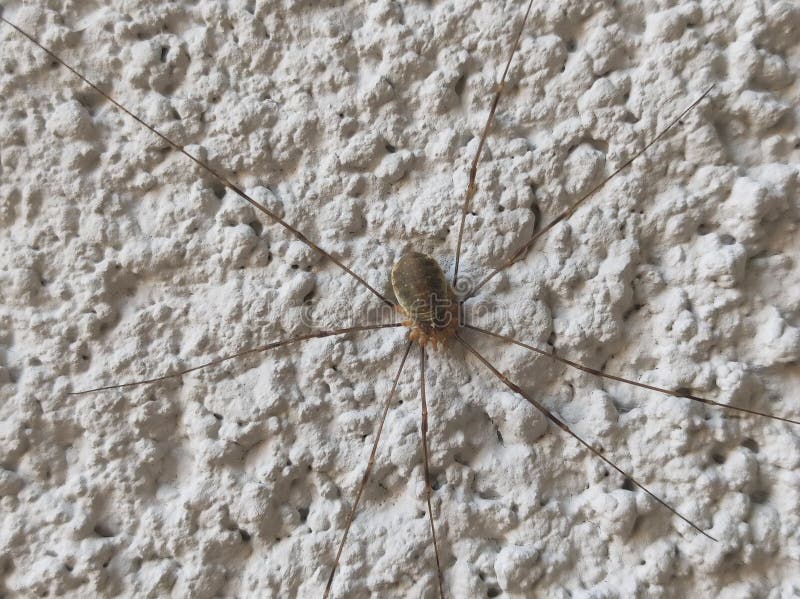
562 425
474 168
569 211
238 354
613 377
205 166
427 467
367 472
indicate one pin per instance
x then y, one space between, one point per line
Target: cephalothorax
425 299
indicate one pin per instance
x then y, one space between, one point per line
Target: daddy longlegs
426 328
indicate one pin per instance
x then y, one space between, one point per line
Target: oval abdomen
421 289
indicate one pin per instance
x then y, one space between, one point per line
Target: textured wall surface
356 122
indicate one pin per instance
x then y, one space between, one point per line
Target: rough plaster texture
357 122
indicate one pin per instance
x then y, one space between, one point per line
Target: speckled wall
356 123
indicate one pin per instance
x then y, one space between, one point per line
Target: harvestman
431 308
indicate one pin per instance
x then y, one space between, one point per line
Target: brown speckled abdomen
421 289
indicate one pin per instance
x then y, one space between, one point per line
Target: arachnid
358 126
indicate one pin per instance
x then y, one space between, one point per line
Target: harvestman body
431 310
425 298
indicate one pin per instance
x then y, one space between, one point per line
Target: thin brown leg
427 467
563 426
613 377
239 354
519 254
367 472
203 165
474 168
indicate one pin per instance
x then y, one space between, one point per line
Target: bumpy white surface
357 123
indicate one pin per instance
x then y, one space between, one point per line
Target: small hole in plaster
750 444
460 84
219 190
102 530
